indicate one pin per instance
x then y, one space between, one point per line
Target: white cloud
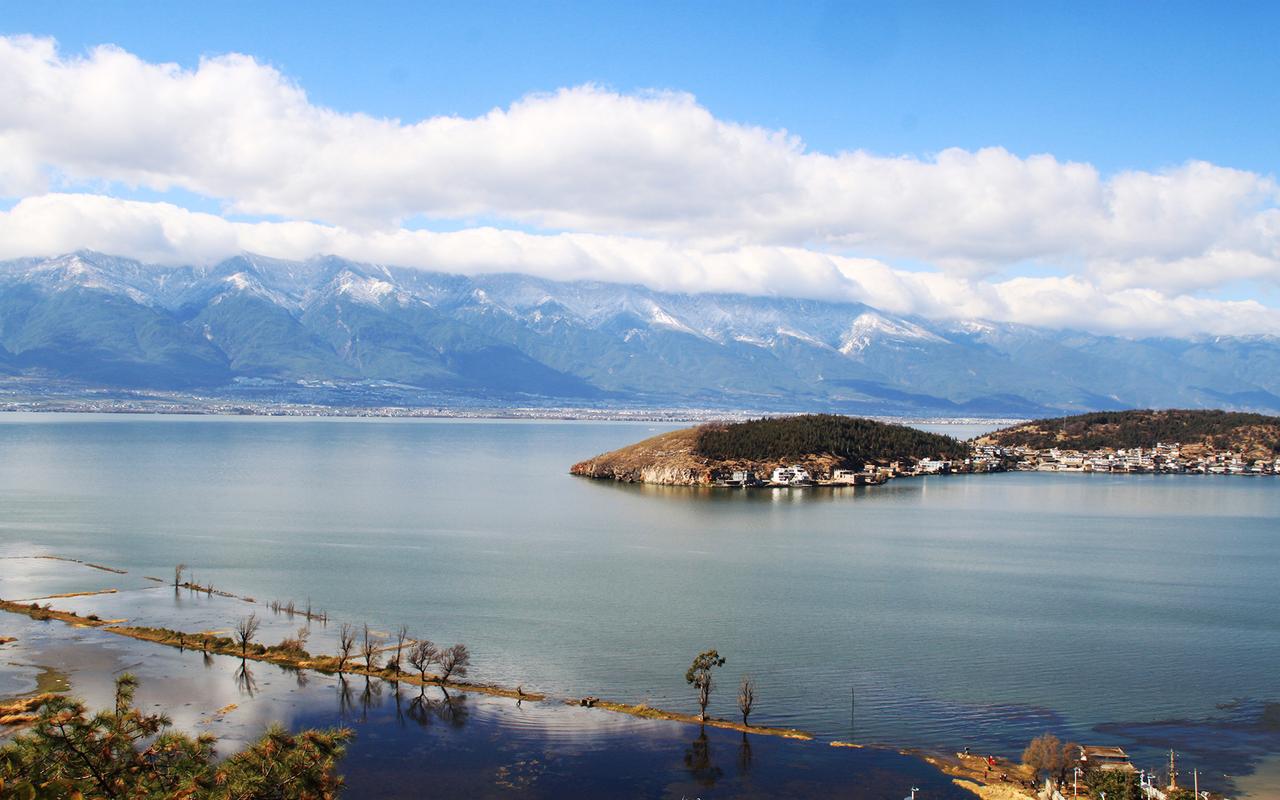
163 233
648 188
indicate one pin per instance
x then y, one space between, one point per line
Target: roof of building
1090 752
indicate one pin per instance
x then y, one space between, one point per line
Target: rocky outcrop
668 458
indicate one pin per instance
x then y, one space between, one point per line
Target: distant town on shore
830 450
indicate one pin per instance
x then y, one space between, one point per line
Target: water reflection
420 708
370 696
398 699
299 675
744 755
451 709
699 763
244 679
346 700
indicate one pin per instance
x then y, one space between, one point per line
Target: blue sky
1103 166
1121 85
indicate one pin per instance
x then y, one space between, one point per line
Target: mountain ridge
107 321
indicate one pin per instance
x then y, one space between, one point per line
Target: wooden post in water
853 705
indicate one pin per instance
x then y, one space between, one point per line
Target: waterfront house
795 475
847 476
1107 758
739 477
929 466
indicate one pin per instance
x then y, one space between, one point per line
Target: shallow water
412 741
945 612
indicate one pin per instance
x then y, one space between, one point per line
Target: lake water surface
940 612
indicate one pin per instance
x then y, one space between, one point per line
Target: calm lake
934 612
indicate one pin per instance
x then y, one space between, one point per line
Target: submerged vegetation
853 440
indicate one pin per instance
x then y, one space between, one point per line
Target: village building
1105 758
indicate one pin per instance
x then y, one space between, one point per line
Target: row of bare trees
422 653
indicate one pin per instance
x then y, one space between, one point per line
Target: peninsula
828 449
825 447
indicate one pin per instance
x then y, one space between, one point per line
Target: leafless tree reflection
245 680
346 700
744 755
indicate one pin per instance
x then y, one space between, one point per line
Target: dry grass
971 773
71 594
39 612
22 712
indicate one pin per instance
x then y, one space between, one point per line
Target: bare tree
246 629
346 641
699 677
369 648
402 635
1045 753
423 654
454 661
746 697
177 575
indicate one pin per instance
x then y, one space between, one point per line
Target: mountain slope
105 321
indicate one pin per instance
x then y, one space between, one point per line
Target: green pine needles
123 753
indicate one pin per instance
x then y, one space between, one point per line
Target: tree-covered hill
1223 430
853 440
820 443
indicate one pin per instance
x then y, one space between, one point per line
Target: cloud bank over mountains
649 188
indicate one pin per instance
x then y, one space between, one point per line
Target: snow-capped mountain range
104 321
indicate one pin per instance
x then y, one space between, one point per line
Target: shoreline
327 665
649 414
18 712
214 644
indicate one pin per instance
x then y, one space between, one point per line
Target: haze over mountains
103 321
